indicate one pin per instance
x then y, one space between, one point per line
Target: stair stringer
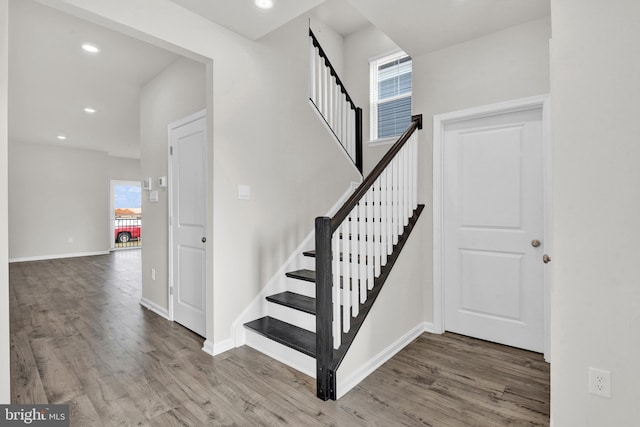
396 318
259 306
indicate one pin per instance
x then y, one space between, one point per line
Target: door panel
493 276
491 177
191 262
188 210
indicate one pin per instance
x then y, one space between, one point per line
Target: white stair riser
282 353
295 317
301 287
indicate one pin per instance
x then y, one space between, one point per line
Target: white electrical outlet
153 274
600 382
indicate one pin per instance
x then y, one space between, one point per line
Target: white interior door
188 144
493 218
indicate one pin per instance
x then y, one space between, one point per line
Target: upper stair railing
356 249
333 102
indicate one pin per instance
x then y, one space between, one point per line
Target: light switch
153 196
146 183
244 192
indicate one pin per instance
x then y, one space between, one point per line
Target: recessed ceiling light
62 137
264 4
91 48
89 110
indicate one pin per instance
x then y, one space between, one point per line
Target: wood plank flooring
79 336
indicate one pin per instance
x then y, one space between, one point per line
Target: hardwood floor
79 336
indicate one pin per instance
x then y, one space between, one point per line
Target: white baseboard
431 328
207 347
344 386
214 349
161 311
58 256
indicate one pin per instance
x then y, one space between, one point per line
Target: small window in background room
390 96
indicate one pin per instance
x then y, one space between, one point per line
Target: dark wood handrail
343 212
324 56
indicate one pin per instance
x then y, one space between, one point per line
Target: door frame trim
202 114
439 123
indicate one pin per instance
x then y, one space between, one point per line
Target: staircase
316 319
304 340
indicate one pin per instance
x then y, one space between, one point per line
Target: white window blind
390 79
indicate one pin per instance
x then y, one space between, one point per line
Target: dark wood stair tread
304 274
284 333
296 301
312 254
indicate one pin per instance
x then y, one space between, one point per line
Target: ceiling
421 26
51 81
417 26
340 16
243 17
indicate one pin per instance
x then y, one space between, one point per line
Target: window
390 96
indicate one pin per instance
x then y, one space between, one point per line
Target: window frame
374 64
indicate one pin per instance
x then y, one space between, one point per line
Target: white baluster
396 199
338 114
327 93
415 170
337 330
378 226
364 240
355 252
410 177
386 210
312 71
413 175
334 104
346 275
321 87
371 236
345 116
351 134
390 208
400 195
406 198
331 99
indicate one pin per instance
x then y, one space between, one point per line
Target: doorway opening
126 215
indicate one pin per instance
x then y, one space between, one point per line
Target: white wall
294 167
596 209
5 392
397 313
264 134
502 66
124 169
175 93
57 193
360 47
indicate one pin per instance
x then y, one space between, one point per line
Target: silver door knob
535 243
204 240
546 259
